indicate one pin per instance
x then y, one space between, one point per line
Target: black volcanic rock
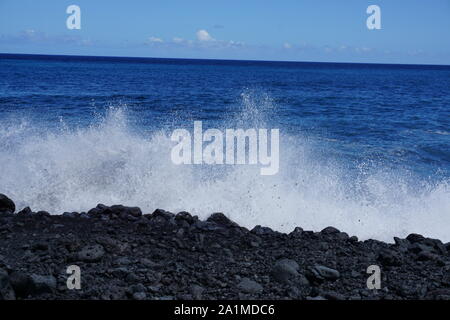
220 219
249 286
6 290
414 237
285 270
330 230
41 284
21 283
91 253
6 204
390 258
123 254
320 273
25 211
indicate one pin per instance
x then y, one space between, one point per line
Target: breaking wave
72 168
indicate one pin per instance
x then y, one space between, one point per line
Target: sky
412 31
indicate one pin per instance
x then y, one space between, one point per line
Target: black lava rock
6 204
123 254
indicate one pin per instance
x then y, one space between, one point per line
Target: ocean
363 147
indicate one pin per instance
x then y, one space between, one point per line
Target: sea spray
73 169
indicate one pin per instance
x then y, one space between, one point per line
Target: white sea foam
73 169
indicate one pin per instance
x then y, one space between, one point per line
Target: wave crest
64 169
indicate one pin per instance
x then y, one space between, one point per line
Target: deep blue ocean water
363 147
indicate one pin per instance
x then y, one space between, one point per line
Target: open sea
363 147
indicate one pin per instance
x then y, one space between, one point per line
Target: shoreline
124 254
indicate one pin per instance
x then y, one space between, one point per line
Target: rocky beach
125 254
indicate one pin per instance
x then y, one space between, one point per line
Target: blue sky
413 31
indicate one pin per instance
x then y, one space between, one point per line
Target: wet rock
249 286
95 211
220 219
117 209
330 230
70 214
25 211
185 216
414 237
163 214
297 232
6 204
262 230
134 211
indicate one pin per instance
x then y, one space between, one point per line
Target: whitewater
73 168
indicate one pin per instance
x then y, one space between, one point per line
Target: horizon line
217 59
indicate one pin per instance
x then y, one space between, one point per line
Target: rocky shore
124 254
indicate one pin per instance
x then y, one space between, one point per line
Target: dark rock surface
6 204
124 254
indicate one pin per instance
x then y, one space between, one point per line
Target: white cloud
203 41
38 37
363 50
203 35
155 39
287 45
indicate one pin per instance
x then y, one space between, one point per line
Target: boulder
25 211
34 284
163 214
220 219
6 290
196 291
139 296
297 232
286 271
6 204
20 283
330 230
42 284
91 253
321 273
390 258
262 230
414 237
247 285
